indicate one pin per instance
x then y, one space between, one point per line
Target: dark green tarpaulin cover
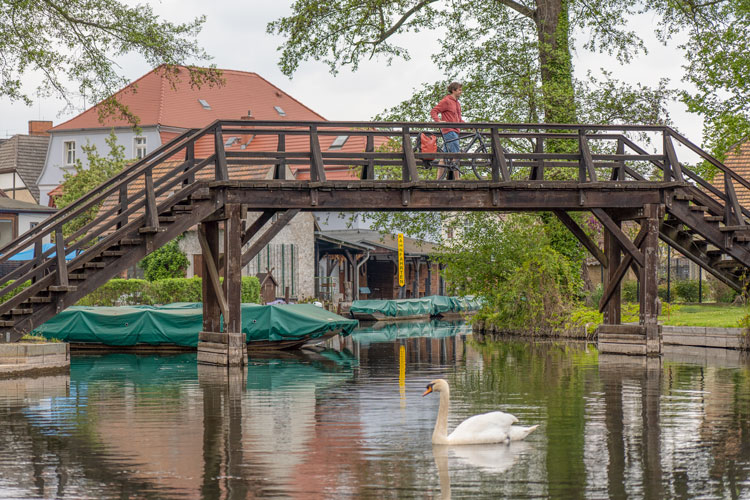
179 324
426 306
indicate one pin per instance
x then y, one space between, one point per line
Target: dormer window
204 103
279 110
69 153
338 143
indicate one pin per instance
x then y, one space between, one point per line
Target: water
351 422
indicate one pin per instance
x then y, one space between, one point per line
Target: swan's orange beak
429 390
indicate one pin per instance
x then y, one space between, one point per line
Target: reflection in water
351 422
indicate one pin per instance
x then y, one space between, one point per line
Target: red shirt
449 110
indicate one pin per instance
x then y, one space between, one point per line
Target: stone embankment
21 357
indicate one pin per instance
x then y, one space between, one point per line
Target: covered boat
412 309
277 326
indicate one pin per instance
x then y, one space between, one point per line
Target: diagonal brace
579 233
626 262
213 272
621 237
267 236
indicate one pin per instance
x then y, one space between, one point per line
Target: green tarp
179 324
432 305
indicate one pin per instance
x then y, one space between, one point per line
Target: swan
493 427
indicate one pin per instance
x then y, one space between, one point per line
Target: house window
69 153
139 147
204 104
279 110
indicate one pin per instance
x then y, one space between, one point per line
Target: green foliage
250 289
584 318
167 261
721 292
119 292
80 180
79 41
15 291
39 339
629 291
686 290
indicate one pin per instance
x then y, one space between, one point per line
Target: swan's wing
492 427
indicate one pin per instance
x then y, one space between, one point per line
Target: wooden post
612 313
232 269
211 307
649 279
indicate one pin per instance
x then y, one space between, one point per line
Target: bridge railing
251 150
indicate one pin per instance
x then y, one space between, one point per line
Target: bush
721 292
15 291
687 290
166 291
117 292
630 291
120 292
662 293
250 290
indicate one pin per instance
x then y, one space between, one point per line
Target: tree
77 40
80 180
167 261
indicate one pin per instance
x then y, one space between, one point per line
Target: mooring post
649 299
612 313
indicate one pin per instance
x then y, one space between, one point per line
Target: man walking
449 110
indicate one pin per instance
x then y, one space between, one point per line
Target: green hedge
118 292
686 290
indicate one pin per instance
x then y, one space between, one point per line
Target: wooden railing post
499 163
189 163
317 170
586 163
38 250
368 170
123 199
280 168
62 267
732 206
618 170
152 217
409 168
222 171
670 159
537 171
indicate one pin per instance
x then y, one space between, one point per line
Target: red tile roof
737 160
155 102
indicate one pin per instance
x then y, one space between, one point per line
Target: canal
349 421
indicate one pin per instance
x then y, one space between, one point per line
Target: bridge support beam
649 299
612 250
222 344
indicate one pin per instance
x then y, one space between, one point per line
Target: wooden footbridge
206 177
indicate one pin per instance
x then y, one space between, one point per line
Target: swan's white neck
440 434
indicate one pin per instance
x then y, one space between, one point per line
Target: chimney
39 127
249 115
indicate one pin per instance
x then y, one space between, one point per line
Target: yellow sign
401 272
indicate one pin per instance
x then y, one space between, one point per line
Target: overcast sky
234 34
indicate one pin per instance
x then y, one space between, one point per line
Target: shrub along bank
120 292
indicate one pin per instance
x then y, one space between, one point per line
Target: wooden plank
618 171
579 233
650 267
733 203
617 233
267 236
537 170
587 162
210 265
499 162
619 273
317 170
409 168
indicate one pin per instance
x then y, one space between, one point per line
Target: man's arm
439 108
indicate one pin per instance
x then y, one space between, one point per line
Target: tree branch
521 9
404 18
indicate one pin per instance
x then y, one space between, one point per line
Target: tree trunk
556 66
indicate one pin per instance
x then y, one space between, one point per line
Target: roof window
338 143
243 146
279 110
204 103
231 141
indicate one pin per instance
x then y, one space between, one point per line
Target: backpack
426 143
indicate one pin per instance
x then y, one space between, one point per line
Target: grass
37 339
720 316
